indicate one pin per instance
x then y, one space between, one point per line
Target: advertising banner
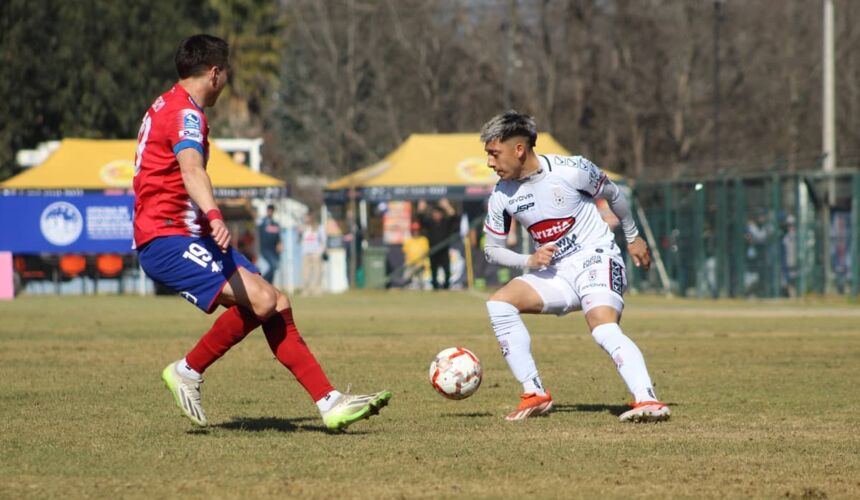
66 222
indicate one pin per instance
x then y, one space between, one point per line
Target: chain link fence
763 235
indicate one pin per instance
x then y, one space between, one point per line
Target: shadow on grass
260 424
616 410
594 408
475 414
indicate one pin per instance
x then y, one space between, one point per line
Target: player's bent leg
273 307
628 359
504 309
521 295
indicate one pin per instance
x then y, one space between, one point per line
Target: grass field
764 395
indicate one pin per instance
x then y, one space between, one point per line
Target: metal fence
771 235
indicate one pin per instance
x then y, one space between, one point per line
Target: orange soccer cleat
531 405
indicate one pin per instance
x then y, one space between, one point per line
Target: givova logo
61 223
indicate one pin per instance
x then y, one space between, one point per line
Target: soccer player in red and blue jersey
183 243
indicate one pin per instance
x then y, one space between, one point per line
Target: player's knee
266 301
502 315
607 334
501 308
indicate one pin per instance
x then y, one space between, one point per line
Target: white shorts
589 278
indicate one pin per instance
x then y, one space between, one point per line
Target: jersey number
198 254
142 136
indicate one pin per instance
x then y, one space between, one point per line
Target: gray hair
510 124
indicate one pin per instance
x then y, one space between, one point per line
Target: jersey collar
186 95
538 174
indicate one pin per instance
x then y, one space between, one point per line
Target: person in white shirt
577 264
313 246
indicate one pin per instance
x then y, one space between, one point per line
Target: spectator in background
438 225
270 242
313 244
757 235
789 257
245 242
415 250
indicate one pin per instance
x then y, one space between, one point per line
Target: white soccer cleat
351 408
646 411
186 393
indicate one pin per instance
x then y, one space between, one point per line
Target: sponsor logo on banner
61 223
616 276
117 173
109 223
549 230
475 171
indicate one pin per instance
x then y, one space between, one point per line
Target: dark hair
197 53
270 207
510 124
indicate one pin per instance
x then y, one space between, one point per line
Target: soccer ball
456 373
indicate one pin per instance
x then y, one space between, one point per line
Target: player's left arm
199 187
600 186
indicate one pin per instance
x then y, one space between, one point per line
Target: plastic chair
109 265
73 266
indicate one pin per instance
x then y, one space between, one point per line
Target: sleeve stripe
488 228
187 143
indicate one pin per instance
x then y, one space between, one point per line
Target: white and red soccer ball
456 373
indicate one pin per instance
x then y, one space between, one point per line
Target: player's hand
220 234
639 253
542 256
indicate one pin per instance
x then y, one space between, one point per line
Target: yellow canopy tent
97 164
431 166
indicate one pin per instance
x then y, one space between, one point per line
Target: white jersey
556 204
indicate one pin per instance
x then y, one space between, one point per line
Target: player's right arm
496 228
199 187
592 180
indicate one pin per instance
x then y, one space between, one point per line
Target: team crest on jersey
557 197
549 230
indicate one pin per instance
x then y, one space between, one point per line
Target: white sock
628 359
328 401
188 372
516 344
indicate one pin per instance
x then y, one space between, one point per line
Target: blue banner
66 223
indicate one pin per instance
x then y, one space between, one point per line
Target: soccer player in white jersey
577 264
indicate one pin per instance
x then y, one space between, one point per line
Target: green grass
764 395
